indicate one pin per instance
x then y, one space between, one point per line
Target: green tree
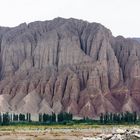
15 117
134 117
70 116
106 117
22 117
101 118
6 119
40 117
29 117
60 117
53 117
46 118
122 119
0 118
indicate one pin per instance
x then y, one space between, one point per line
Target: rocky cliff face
68 65
137 39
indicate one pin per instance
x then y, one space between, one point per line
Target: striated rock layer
68 65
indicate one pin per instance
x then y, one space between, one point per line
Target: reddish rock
68 65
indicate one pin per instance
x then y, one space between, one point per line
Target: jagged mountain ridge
68 65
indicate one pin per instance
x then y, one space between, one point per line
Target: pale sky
122 17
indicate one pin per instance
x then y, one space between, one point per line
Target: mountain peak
67 65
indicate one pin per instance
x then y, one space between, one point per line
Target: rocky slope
137 39
68 65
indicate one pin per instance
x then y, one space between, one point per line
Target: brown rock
68 65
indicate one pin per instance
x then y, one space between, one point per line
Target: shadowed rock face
68 65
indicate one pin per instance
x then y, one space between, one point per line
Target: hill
68 65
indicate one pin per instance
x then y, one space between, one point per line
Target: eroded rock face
137 39
68 65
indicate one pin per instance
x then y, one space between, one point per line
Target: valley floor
63 132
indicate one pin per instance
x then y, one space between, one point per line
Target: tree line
61 117
118 118
7 118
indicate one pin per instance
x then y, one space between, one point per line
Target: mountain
138 39
68 65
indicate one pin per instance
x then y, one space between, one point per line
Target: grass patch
35 127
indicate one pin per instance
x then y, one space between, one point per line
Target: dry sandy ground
49 134
55 134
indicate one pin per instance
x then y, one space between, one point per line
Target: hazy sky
121 16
